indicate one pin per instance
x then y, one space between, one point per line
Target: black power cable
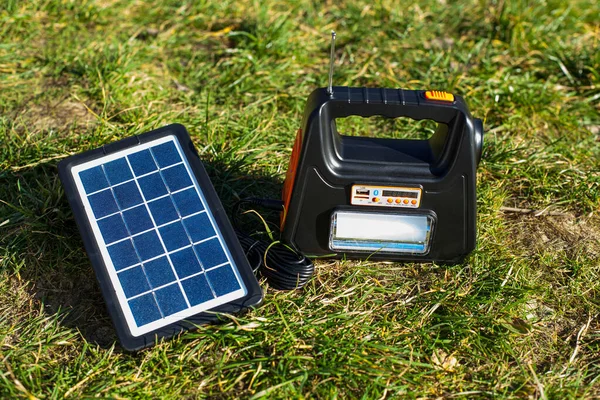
284 268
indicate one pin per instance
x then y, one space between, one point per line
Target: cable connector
271 204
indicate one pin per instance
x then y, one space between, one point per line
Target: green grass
518 319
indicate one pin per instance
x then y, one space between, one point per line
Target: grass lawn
520 318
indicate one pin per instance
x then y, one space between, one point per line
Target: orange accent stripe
290 176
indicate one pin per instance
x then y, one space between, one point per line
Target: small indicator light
439 95
413 201
376 199
398 201
390 200
405 201
375 192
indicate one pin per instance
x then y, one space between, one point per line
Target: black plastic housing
328 164
129 342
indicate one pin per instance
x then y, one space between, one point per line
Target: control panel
390 196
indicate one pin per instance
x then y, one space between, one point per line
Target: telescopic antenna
331 62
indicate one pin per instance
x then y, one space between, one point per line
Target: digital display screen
399 193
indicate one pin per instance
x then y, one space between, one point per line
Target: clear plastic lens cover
356 231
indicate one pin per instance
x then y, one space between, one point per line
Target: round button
376 199
390 200
375 192
413 202
398 201
405 201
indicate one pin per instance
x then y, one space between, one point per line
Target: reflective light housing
356 231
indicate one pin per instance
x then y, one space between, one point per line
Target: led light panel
157 237
380 232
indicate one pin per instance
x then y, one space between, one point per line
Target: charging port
362 192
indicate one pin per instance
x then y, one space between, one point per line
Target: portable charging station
394 199
167 258
380 198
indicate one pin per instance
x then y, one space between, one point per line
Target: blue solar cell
174 236
127 195
166 154
210 253
133 281
144 309
152 186
159 272
170 299
163 210
93 179
142 162
103 203
118 171
197 289
187 202
148 245
199 227
112 228
158 253
223 280
123 254
176 177
137 219
185 263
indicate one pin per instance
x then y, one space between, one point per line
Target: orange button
376 199
405 201
390 200
413 202
439 95
398 201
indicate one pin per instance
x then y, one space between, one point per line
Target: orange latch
439 95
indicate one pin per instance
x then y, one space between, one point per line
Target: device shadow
45 252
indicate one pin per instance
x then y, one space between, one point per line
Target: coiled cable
283 267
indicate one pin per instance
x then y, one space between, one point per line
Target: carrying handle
392 103
458 129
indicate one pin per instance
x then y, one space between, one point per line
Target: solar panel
163 250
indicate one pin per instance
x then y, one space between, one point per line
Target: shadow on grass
42 247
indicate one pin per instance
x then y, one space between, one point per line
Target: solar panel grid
159 237
162 248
